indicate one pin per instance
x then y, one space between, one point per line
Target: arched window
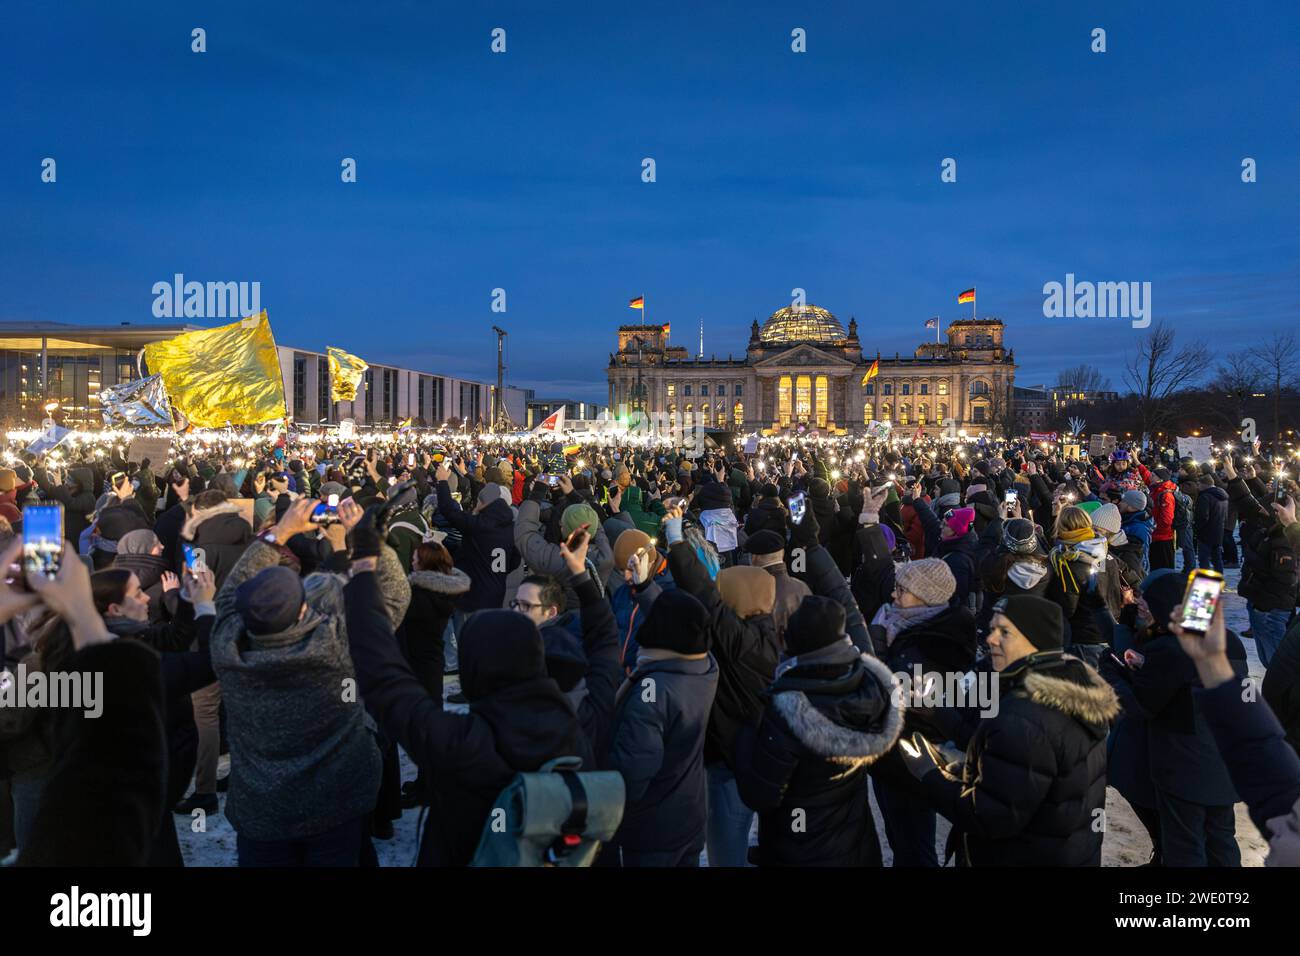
704 414
738 412
922 413
866 414
885 412
979 388
689 418
904 413
722 412
783 398
943 413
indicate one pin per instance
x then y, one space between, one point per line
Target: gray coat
542 557
302 757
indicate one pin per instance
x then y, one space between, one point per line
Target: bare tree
1158 370
1083 378
1277 358
1233 384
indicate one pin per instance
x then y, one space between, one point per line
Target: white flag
552 423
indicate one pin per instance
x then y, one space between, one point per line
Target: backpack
556 816
1182 510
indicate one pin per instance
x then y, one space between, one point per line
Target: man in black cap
766 550
1033 786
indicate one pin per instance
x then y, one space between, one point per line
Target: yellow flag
346 371
227 374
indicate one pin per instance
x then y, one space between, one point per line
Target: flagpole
973 298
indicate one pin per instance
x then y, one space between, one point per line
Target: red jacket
1162 510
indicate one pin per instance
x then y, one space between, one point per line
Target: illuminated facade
802 368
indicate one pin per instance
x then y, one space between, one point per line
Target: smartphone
552 480
797 507
1201 600
575 540
190 556
327 512
410 460
42 539
1010 497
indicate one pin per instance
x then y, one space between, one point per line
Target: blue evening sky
775 170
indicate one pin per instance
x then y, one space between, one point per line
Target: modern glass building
44 363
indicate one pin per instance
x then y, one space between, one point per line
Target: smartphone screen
42 539
1011 496
332 504
797 507
188 551
410 460
1200 601
552 480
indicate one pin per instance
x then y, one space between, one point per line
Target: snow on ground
1125 842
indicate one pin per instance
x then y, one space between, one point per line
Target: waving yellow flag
346 371
227 374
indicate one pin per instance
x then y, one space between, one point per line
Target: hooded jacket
518 717
1269 573
433 599
826 720
1035 774
1210 515
746 649
542 557
222 533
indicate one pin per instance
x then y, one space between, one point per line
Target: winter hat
566 660
1107 519
1020 537
270 601
819 488
1134 500
747 590
766 541
950 486
890 538
769 490
949 500
818 622
282 504
627 544
8 479
577 515
712 495
119 520
333 488
502 474
499 649
677 622
1088 506
490 492
140 541
606 474
1161 473
960 520
1163 591
930 579
1038 619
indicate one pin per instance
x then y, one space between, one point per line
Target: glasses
525 606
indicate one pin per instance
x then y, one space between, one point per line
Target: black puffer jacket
1210 515
1281 687
746 651
1035 775
804 769
223 535
433 599
945 644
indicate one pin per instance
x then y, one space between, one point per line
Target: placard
1197 449
1102 444
157 450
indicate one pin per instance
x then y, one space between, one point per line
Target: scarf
1074 537
895 619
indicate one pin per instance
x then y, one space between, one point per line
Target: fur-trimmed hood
457 582
1094 701
191 526
835 742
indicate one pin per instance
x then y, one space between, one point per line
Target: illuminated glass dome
801 323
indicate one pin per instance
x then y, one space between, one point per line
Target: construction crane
500 417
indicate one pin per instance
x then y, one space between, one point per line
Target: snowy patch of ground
1125 843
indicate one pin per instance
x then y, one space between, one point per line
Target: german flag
967 296
668 327
871 372
637 303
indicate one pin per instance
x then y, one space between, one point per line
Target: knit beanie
1163 591
818 622
960 520
577 515
1019 536
1088 506
677 622
819 488
1038 619
1136 500
748 590
140 541
490 492
712 496
766 541
950 500
1107 519
930 579
627 544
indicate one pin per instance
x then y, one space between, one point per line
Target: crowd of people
778 639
